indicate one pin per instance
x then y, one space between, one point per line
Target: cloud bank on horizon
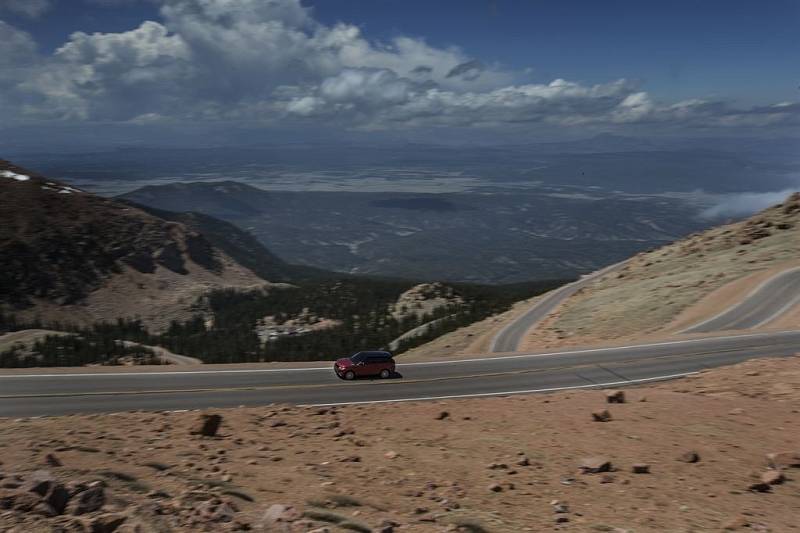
270 62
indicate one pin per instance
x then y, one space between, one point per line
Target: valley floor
498 464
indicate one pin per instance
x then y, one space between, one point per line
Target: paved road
765 303
83 392
509 338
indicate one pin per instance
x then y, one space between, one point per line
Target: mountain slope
673 287
240 245
73 256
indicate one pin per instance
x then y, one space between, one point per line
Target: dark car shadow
395 375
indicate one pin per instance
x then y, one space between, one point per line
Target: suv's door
375 364
360 364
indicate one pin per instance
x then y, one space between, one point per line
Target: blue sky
527 65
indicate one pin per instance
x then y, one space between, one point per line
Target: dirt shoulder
501 464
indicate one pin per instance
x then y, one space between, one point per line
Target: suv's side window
375 359
358 358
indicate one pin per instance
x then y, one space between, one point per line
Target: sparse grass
324 516
336 500
237 494
86 449
139 486
469 525
355 526
157 466
119 476
342 500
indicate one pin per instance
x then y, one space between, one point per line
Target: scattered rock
87 501
391 455
759 486
689 457
783 460
740 522
594 465
107 523
601 416
523 461
640 468
207 425
561 519
494 487
279 514
442 415
52 460
773 477
615 396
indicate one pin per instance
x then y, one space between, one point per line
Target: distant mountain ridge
491 235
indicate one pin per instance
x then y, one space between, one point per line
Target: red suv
365 364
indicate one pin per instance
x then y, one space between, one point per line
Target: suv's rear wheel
385 373
349 375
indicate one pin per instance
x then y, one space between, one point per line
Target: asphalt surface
509 338
767 302
59 394
81 391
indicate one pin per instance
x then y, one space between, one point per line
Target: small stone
740 522
279 513
561 519
391 455
594 465
523 461
52 460
689 457
107 523
773 477
640 468
442 415
601 416
784 460
494 487
759 487
88 501
615 396
207 425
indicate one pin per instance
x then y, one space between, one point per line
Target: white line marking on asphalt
743 301
779 312
506 393
424 363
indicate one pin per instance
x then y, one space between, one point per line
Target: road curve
509 338
765 303
86 392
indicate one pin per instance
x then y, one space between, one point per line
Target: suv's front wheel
349 375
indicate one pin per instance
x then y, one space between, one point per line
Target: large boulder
87 501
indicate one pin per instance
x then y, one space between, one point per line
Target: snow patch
14 175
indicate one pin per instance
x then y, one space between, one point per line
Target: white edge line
779 312
506 393
548 296
422 363
742 302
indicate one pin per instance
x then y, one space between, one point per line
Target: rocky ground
715 452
